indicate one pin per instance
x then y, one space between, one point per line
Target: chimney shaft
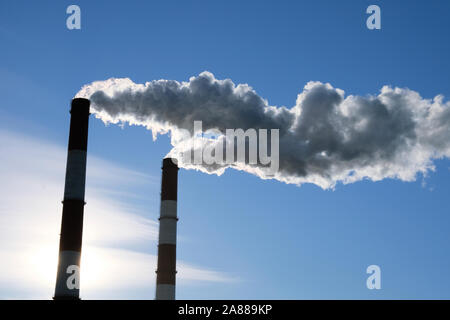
166 271
67 279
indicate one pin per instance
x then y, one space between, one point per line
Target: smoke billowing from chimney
324 138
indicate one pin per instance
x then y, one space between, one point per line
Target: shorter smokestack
67 279
166 271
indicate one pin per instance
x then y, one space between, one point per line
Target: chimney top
80 105
170 163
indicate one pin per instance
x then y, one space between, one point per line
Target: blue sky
239 236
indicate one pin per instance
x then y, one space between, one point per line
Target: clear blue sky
275 241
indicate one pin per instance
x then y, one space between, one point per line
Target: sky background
240 237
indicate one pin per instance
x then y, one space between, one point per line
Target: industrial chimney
67 279
165 273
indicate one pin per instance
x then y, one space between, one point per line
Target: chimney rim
170 162
80 105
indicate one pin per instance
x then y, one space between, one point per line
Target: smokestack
166 271
67 279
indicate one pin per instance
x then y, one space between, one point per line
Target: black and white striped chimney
166 271
67 279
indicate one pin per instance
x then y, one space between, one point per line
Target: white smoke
324 139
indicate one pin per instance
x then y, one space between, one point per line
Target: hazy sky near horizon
239 236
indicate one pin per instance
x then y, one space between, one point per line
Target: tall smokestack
167 250
67 279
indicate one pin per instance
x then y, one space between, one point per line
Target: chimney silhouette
67 279
166 271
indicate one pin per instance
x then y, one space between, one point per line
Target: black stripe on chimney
169 182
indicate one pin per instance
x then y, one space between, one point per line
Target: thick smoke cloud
324 139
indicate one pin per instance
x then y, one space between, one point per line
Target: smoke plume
325 138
